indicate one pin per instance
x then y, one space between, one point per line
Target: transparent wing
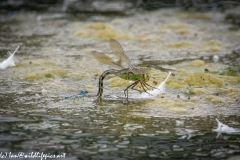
141 70
118 51
101 57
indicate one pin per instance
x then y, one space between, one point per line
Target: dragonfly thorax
134 76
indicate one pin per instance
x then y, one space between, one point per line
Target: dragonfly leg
149 85
144 85
126 90
99 95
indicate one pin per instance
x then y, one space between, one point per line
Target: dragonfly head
146 77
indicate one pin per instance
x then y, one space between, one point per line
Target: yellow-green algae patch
175 105
194 88
90 87
37 62
175 25
45 74
101 31
181 44
230 90
195 99
77 75
231 93
199 74
116 81
204 78
156 77
200 91
184 31
177 81
197 63
194 15
49 75
213 99
212 45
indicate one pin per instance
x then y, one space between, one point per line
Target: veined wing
103 58
118 51
141 70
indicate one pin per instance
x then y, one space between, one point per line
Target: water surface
54 61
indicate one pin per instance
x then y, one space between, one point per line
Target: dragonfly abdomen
100 88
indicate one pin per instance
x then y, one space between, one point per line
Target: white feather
160 89
223 128
9 62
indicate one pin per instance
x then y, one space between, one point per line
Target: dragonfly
138 75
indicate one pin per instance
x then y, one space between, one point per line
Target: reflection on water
54 62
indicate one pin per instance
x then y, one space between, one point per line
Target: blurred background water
198 41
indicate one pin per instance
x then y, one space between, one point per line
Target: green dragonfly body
131 73
133 76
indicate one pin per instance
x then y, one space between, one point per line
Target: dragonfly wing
118 51
141 70
103 58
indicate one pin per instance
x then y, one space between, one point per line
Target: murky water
54 61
